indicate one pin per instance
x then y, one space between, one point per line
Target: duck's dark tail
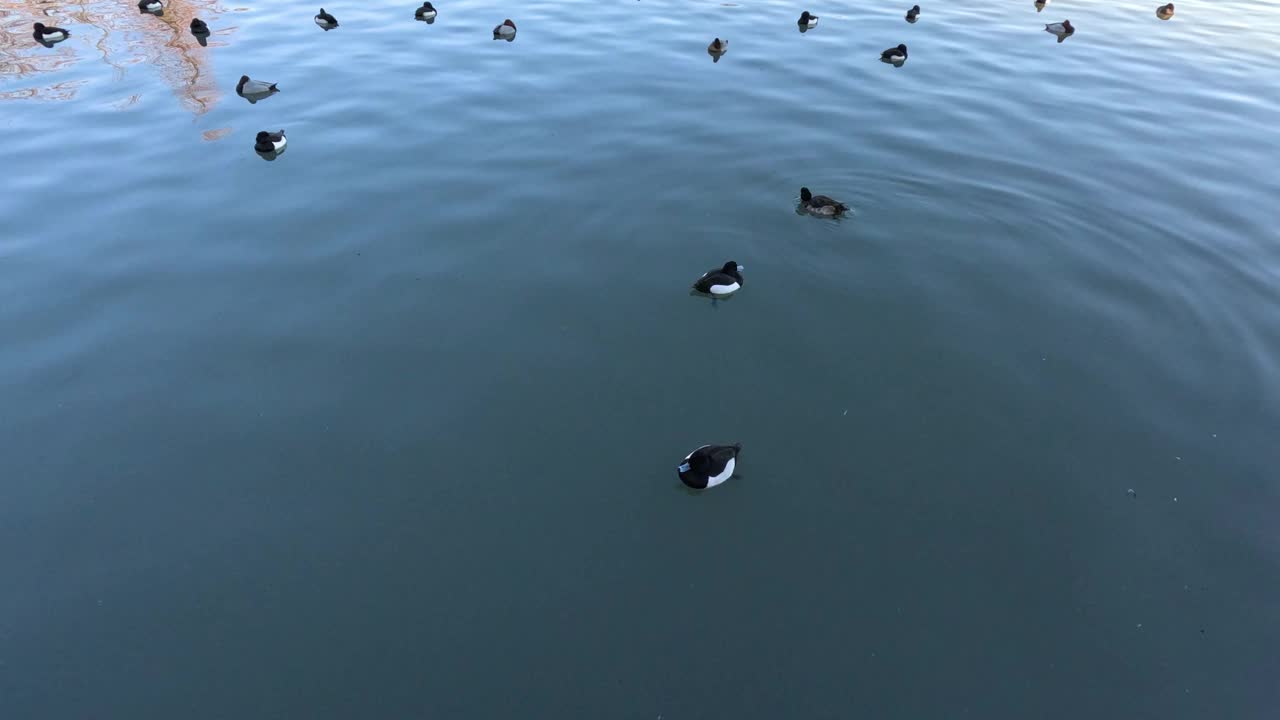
737 448
273 87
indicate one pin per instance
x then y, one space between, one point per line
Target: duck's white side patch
428 15
725 289
279 144
728 472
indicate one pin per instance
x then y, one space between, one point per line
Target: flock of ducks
894 55
709 465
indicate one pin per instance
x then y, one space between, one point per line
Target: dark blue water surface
388 427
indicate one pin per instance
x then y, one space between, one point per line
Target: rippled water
388 427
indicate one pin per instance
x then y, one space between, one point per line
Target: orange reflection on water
120 36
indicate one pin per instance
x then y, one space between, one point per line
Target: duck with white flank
1061 29
325 20
807 20
820 204
426 12
255 90
721 281
709 465
895 55
505 31
46 35
913 13
150 6
270 142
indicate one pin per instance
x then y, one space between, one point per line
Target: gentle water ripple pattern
388 426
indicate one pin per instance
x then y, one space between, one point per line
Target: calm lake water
388 427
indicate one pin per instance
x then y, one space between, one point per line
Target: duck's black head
39 27
240 85
805 195
915 9
902 48
730 268
427 6
804 16
264 137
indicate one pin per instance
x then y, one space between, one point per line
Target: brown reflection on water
120 37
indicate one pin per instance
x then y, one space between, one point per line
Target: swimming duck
198 27
1062 28
1164 12
506 30
895 55
820 204
718 46
325 20
49 35
270 142
720 281
247 87
426 12
807 20
709 465
150 6
913 13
